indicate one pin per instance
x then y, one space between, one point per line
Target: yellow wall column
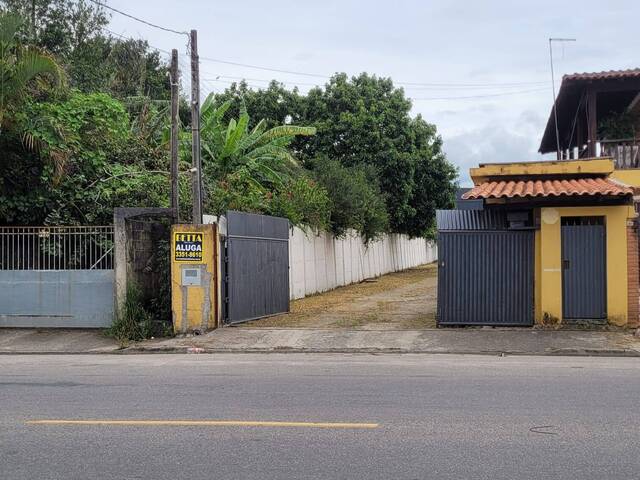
550 258
550 266
194 282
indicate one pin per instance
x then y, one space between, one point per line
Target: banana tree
230 147
20 67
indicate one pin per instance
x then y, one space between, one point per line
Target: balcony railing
625 152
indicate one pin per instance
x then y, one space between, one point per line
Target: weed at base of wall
133 322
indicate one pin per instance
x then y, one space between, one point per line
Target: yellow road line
202 423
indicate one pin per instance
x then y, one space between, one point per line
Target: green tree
20 68
93 136
275 104
74 31
136 71
253 169
366 121
59 26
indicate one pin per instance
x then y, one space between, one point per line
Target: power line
521 92
286 82
425 84
166 29
247 79
471 85
268 69
410 85
431 85
124 37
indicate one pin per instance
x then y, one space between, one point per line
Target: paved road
438 416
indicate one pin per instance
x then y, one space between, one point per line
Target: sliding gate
485 270
255 268
56 276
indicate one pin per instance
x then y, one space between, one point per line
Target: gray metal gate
486 277
255 267
56 276
584 283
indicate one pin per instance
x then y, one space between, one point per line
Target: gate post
123 248
194 277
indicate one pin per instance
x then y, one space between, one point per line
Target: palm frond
32 64
272 152
285 131
236 134
266 172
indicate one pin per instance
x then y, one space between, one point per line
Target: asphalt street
318 416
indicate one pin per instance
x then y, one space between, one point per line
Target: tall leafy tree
74 31
275 104
20 68
59 26
367 121
252 168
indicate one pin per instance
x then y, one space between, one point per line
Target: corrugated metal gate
584 283
56 276
255 267
485 271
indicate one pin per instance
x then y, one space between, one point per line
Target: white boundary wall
322 262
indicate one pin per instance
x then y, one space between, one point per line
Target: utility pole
196 165
173 74
553 87
33 21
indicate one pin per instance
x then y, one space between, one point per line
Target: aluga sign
187 247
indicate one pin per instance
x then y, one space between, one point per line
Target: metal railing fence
56 248
625 152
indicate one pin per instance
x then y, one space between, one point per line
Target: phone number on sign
189 254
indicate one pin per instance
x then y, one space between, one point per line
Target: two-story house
552 242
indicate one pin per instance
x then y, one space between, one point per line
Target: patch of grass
132 322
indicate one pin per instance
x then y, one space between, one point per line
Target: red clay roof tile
548 188
616 74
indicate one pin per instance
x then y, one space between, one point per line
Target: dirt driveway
403 300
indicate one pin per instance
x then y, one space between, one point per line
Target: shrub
356 200
304 202
132 322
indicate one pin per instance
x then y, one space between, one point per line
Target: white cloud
495 144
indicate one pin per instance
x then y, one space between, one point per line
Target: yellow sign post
194 277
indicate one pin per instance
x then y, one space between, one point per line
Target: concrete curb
554 353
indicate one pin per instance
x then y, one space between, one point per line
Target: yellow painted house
562 197
553 241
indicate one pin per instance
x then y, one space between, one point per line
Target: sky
495 49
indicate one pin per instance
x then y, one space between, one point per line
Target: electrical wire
265 80
425 84
521 92
409 85
124 37
466 97
160 27
268 69
286 82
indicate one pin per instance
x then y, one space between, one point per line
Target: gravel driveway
402 300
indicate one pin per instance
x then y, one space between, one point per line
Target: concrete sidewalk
470 340
55 340
491 341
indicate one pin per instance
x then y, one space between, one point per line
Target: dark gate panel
486 278
256 270
584 292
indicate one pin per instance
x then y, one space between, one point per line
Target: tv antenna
553 87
